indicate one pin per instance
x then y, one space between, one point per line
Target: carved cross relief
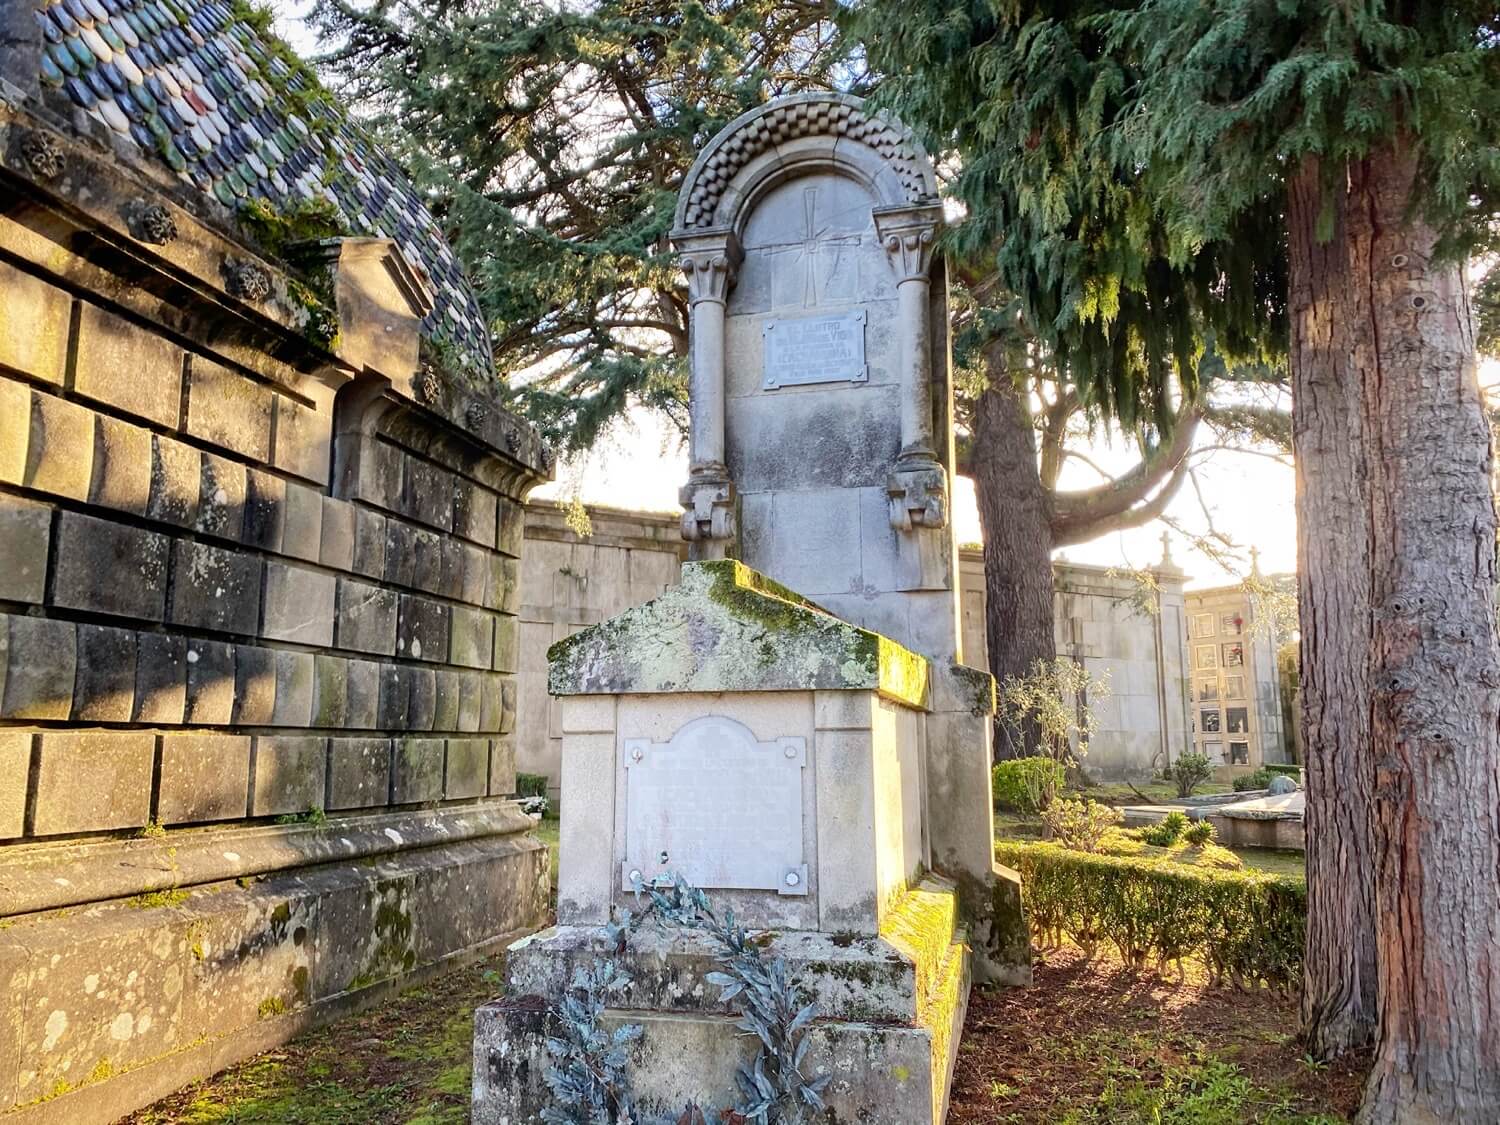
819 267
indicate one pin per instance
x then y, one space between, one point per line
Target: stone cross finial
1166 548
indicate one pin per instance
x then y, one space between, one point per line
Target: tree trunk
1015 516
1338 975
1435 667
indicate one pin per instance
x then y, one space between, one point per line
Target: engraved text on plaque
815 349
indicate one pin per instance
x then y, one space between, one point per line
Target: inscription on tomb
716 805
815 349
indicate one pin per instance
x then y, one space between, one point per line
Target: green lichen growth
277 230
314 816
271 1006
151 831
103 1070
149 900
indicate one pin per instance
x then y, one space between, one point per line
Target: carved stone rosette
41 154
150 222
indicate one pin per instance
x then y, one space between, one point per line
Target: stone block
15 429
160 678
489 704
38 660
299 604
228 409
451 580
302 439
466 773
336 549
93 781
470 701
477 580
254 686
506 649
15 768
105 567
428 495
34 322
122 466
400 552
221 498
265 510
203 777
586 883
60 447
508 704
104 683
417 770
502 767
474 513
422 702
369 543
503 591
294 689
25 534
289 775
302 523
129 367
359 772
210 683
427 562
510 526
176 480
395 697
364 694
380 467
214 588
422 628
366 617
589 714
330 691
471 638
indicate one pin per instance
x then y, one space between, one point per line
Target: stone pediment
727 628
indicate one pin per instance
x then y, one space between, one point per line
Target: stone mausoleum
260 528
790 728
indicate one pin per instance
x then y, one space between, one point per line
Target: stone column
918 486
709 259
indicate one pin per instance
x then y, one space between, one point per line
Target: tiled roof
200 89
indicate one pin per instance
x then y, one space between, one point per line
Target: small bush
1290 769
1246 926
531 785
1167 831
1079 825
1190 771
1257 780
1200 833
1027 785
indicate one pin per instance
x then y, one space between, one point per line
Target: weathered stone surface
508 699
330 691
228 409
507 651
470 700
33 326
203 777
451 583
15 429
428 495
289 775
210 683
366 617
38 657
160 678
369 543
104 686
134 559
471 638
418 772
364 694
60 449
214 588
467 771
502 767
109 348
427 560
221 497
359 772
510 526
395 696
474 513
490 700
254 686
302 523
336 548
503 591
422 702
473 565
299 604
302 435
294 689
25 529
15 764
92 781
176 480
422 628
265 510
448 687
122 466
400 552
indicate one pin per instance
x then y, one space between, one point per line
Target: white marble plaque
718 806
829 348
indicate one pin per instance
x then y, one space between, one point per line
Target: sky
1246 497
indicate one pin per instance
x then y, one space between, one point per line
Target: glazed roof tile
198 88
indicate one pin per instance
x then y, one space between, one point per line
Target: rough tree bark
1435 669
1338 974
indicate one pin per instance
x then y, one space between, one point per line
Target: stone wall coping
727 628
47 876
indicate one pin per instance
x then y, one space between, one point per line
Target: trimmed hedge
531 784
1027 785
1248 927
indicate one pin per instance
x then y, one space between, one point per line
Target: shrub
1166 831
1200 833
1079 825
1246 926
531 785
1290 769
1027 785
1190 771
1257 780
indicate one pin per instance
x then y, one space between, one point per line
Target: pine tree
1136 158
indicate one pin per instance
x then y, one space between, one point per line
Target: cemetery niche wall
260 527
816 759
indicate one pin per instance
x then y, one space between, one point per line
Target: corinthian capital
908 235
709 260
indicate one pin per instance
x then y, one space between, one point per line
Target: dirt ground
1091 1042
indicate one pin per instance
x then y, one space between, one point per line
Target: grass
1119 793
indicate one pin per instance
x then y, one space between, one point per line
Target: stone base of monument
890 1010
